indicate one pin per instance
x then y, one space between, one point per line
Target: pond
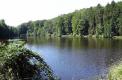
78 58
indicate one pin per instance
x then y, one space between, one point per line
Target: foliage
18 63
115 72
7 31
100 21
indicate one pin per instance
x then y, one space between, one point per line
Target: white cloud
16 12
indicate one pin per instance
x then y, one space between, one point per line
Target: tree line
101 21
7 31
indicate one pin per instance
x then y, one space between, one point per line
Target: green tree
92 21
59 26
107 30
76 23
120 25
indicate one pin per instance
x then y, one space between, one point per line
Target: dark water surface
76 58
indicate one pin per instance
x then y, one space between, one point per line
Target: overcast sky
15 12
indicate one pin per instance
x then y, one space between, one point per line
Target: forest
7 31
101 21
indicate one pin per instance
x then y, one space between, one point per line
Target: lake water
76 58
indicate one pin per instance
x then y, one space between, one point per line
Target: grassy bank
83 36
115 72
118 37
18 63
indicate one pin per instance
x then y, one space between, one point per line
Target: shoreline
79 36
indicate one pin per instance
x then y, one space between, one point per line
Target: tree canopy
100 21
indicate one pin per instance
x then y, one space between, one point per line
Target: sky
15 12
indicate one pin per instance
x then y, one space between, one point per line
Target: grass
115 72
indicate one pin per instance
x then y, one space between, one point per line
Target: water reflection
77 58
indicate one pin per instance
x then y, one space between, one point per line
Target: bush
18 63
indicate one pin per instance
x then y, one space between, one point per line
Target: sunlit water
77 59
